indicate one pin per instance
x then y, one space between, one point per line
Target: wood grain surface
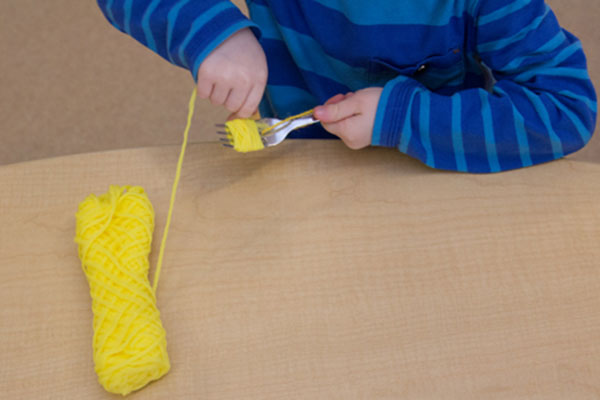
310 271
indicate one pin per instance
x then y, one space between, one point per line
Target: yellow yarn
245 134
191 106
283 121
114 234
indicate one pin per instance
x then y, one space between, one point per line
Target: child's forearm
542 107
182 32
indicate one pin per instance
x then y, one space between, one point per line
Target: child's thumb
330 113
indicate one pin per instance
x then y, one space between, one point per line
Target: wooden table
310 271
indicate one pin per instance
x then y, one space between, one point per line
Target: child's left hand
351 116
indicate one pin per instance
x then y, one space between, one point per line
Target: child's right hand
235 74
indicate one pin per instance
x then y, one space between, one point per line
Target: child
464 85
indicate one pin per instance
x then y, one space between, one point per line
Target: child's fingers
349 131
335 112
343 130
338 97
236 99
233 116
251 104
336 128
219 94
204 88
335 99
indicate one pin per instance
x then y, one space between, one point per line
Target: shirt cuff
391 111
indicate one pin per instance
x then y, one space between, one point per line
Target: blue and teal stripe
539 104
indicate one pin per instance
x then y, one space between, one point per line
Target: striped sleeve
542 106
183 32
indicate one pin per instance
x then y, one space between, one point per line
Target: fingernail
319 111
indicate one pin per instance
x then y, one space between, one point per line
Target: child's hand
235 74
351 116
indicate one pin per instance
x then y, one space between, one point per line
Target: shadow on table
292 158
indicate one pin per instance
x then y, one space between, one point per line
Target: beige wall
71 83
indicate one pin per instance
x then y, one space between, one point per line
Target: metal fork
273 137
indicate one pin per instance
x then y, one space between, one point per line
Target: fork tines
223 140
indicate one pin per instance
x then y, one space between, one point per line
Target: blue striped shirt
468 85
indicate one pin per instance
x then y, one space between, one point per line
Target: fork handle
302 122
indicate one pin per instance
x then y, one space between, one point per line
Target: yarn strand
283 121
186 132
114 234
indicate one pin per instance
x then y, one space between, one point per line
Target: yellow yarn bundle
244 135
114 237
114 233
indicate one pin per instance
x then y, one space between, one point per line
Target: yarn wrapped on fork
114 236
244 134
